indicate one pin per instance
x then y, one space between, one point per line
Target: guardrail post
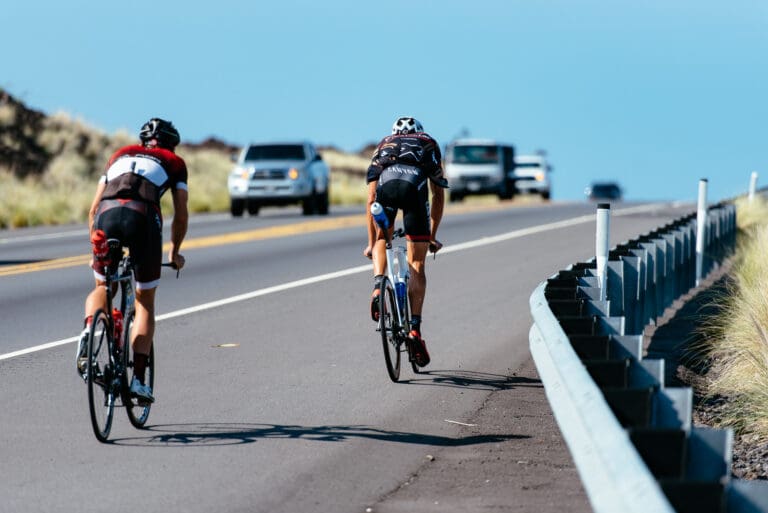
601 246
701 226
752 186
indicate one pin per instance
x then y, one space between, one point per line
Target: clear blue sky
654 94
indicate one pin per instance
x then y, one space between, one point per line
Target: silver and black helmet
406 125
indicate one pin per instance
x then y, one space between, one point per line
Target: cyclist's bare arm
436 215
95 205
178 226
370 223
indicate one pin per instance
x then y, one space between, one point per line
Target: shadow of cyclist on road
213 434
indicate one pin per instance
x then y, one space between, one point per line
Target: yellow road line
203 242
239 237
273 232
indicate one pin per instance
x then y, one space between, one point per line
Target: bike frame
390 252
122 277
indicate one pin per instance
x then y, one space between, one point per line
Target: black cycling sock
416 323
377 280
140 362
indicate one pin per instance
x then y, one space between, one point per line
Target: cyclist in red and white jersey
126 206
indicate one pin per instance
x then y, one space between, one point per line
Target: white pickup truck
532 175
279 174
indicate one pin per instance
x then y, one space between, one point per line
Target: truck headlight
293 173
240 172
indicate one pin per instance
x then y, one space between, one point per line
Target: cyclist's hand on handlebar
435 246
368 252
177 260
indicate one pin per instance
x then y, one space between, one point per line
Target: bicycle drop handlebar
172 266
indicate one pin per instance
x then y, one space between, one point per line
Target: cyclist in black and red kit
400 169
126 206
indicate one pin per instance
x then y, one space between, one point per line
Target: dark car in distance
601 191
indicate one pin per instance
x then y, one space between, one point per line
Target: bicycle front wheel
138 412
100 376
389 330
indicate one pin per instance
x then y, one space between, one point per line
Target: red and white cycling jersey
139 173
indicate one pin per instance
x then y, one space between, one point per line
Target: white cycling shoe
142 392
81 358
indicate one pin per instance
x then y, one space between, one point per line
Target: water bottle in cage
117 319
401 272
400 287
400 264
377 211
99 246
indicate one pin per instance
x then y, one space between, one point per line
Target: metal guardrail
632 437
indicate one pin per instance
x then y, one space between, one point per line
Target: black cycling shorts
138 226
413 201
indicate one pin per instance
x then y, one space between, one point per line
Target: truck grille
269 174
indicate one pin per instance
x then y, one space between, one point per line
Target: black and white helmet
407 125
166 134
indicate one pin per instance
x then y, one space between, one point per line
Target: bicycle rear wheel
100 376
390 339
138 412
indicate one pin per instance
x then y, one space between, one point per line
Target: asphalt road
297 413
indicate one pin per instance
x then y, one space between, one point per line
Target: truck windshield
479 154
275 152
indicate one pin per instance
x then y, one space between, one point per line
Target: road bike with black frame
394 306
109 351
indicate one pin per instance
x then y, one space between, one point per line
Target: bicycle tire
137 413
390 340
100 376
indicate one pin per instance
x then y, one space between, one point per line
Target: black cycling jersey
410 157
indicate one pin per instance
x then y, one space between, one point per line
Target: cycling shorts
413 201
138 226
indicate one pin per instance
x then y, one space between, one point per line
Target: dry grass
736 341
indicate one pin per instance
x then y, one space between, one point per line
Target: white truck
279 174
532 175
480 166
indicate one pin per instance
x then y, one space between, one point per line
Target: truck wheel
545 195
253 208
236 207
454 198
507 190
309 205
323 203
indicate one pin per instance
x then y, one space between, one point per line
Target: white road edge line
485 241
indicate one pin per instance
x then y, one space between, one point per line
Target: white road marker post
752 186
601 246
701 229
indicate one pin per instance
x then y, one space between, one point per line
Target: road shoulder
527 468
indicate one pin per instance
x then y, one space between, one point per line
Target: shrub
736 340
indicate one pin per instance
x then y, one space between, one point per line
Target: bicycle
394 306
109 351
